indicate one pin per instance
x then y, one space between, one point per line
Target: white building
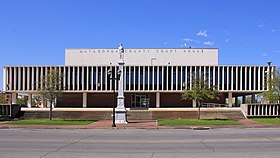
152 77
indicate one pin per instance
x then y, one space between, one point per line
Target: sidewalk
140 124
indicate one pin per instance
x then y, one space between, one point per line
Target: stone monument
121 117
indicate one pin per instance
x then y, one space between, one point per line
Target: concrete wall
89 57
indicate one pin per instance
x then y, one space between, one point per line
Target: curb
200 128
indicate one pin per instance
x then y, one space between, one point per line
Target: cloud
184 45
261 25
165 43
209 43
226 32
190 40
264 55
227 40
202 33
273 30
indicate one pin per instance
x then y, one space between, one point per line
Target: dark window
211 76
252 77
160 77
25 78
34 78
99 78
136 78
226 78
89 78
80 77
94 79
261 78
141 78
127 78
234 78
150 77
146 77
85 78
184 82
248 79
169 75
132 78
243 78
174 78
155 78
221 77
164 78
104 74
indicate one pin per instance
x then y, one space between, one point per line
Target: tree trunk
50 113
198 112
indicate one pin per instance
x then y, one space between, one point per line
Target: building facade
153 78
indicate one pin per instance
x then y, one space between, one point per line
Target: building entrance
140 101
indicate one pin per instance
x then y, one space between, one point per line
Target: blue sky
32 32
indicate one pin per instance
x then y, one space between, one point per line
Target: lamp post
113 78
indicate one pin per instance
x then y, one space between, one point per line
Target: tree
51 87
2 98
273 93
200 91
22 100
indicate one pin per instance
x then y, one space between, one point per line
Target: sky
32 32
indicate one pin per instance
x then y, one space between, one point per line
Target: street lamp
113 78
269 63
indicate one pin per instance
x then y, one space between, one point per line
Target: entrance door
140 101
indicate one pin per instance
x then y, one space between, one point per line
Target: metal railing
260 110
212 105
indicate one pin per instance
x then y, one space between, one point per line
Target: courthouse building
153 78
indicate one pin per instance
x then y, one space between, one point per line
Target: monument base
121 117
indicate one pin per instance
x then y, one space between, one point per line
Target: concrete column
157 100
236 101
253 98
14 98
43 104
244 99
49 103
194 103
29 102
84 100
230 99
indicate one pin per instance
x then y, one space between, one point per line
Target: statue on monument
121 51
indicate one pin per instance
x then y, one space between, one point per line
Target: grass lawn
197 122
50 122
267 120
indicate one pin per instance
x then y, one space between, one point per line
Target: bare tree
51 88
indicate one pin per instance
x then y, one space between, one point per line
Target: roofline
142 48
131 65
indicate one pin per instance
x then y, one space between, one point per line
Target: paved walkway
140 124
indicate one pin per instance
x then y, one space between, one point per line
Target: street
57 143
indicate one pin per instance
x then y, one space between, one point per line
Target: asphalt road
53 143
